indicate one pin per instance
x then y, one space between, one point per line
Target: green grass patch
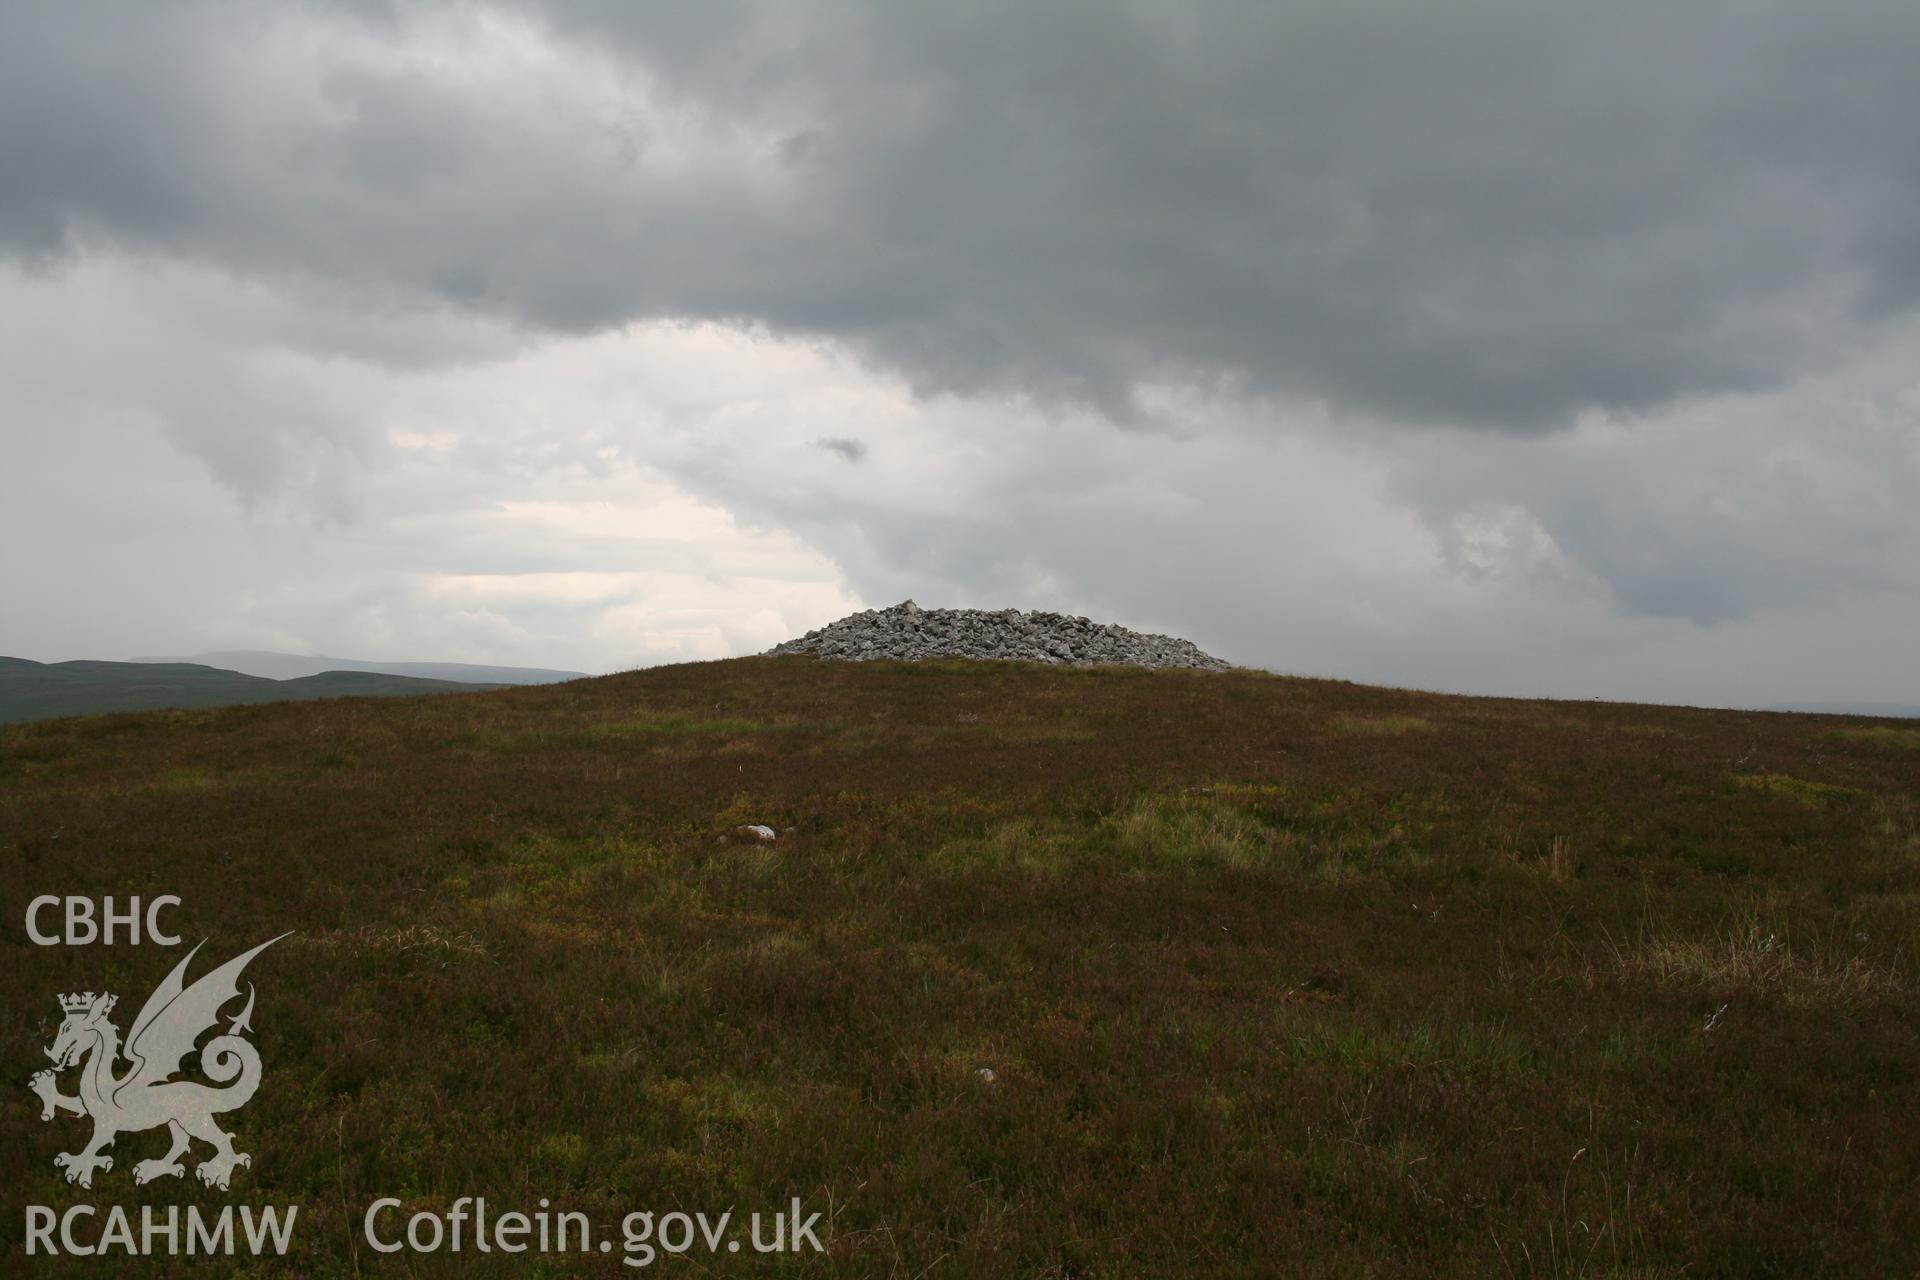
1814 795
1881 735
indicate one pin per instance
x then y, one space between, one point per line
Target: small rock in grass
756 831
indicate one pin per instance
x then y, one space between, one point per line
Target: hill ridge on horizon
274 665
31 690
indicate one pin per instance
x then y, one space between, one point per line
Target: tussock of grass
1755 960
1020 846
1030 734
1196 832
1230 827
1898 823
393 938
1559 863
1388 725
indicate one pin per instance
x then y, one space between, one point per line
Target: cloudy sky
1497 347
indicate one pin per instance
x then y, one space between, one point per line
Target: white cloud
657 493
496 511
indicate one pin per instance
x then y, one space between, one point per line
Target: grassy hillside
38 690
1272 976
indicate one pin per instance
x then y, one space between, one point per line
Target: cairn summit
907 632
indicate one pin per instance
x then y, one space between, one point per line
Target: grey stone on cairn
907 632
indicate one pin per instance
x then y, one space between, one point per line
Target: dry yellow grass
1754 959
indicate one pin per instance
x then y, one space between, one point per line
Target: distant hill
40 690
1854 708
293 666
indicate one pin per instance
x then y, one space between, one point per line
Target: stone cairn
907 632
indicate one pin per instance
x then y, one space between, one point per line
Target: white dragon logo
146 1097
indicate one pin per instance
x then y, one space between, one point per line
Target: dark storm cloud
847 447
1490 214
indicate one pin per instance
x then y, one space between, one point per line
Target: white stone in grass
758 831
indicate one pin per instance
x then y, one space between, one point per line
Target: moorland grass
1267 976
